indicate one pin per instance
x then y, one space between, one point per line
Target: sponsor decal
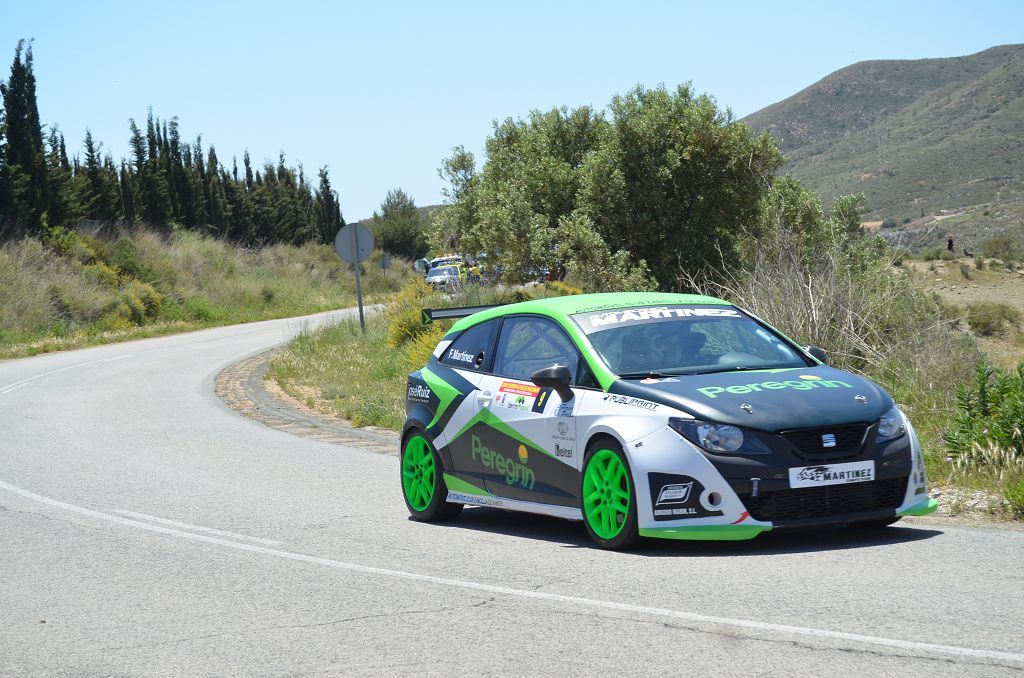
460 356
743 516
832 474
564 432
542 400
515 472
713 391
564 410
632 402
563 452
477 500
674 497
419 393
527 390
674 494
657 313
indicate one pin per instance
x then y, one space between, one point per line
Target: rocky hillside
916 137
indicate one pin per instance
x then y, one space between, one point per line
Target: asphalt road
145 528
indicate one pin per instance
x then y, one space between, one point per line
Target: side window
586 378
528 344
469 350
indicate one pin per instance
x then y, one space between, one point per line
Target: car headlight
721 438
890 426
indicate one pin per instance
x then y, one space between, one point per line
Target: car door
461 366
524 449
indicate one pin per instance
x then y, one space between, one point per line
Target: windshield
678 340
443 272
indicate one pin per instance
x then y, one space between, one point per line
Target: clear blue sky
381 91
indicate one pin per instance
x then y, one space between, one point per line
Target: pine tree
328 210
25 172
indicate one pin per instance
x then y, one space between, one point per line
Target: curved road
145 528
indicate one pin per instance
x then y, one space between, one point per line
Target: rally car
654 415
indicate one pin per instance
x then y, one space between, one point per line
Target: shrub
965 271
101 274
557 288
988 318
890 223
404 314
125 257
988 430
199 309
937 254
1014 494
418 351
1001 247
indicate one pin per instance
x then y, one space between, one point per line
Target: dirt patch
989 285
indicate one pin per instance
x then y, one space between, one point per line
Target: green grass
77 291
361 377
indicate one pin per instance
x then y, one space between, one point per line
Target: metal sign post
354 244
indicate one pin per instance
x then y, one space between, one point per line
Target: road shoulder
243 388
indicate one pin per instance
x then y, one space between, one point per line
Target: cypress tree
25 162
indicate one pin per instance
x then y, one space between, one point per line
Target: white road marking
4 390
198 528
925 648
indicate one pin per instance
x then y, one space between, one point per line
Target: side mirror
818 353
556 377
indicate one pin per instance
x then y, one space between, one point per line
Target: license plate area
820 475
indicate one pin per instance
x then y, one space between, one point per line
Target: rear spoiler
432 314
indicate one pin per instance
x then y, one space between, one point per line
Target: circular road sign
354 243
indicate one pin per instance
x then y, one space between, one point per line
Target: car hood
769 400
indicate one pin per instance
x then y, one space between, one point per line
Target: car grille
830 500
808 441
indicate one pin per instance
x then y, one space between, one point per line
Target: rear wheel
608 497
423 485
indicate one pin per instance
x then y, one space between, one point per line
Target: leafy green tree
453 227
685 178
398 228
666 179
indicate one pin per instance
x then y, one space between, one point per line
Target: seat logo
828 440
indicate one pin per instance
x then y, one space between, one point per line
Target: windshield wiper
738 368
655 375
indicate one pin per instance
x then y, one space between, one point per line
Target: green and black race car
656 415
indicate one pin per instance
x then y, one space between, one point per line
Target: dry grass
139 283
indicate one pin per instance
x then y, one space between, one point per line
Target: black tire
425 494
613 536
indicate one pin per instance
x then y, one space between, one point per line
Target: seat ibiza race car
655 415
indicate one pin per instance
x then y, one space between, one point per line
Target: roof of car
586 303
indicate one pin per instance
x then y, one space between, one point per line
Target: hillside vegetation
72 290
916 137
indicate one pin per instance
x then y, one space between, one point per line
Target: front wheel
423 485
608 497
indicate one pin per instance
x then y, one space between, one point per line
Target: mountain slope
915 136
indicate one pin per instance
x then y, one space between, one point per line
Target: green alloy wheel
423 483
609 502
